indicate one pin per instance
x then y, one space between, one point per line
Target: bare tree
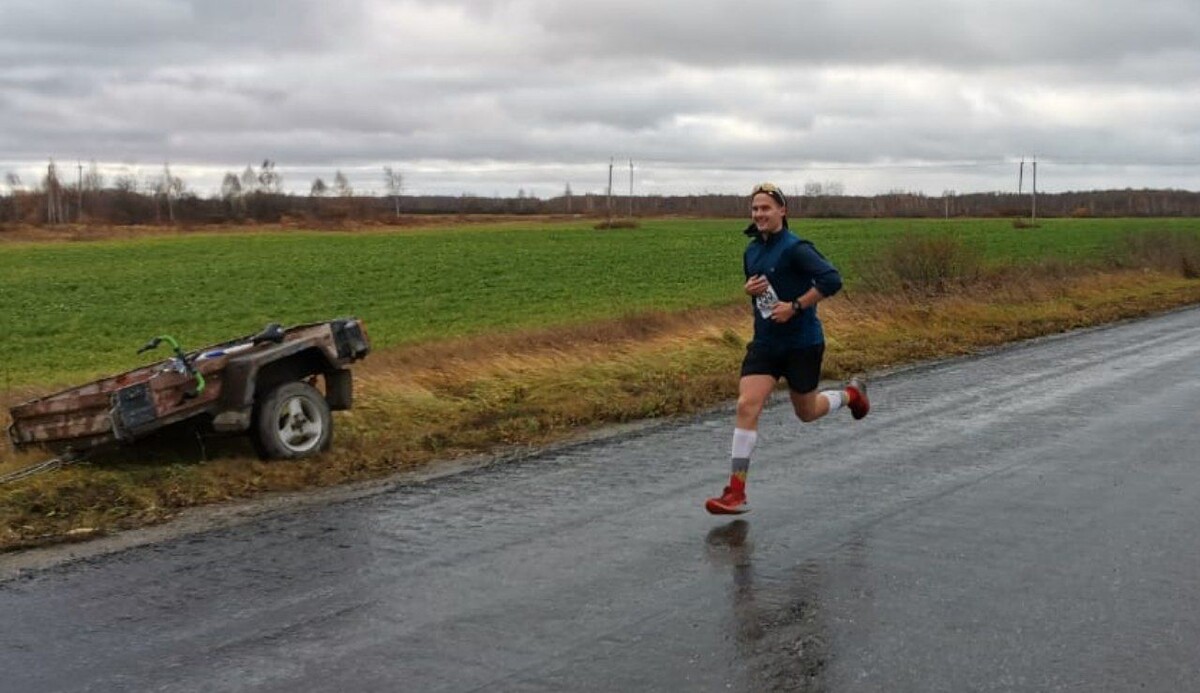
125 183
341 185
171 188
249 180
395 184
93 180
231 192
55 212
15 188
269 179
318 190
231 187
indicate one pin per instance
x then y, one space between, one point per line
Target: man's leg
811 406
753 391
804 374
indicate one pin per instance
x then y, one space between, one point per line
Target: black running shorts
801 367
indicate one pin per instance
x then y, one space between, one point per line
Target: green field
71 311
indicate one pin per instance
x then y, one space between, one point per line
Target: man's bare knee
749 407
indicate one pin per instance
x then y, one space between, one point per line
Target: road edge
208 518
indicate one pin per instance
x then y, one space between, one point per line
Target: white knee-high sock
743 447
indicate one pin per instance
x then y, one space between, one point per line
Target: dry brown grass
922 264
436 401
1165 251
74 233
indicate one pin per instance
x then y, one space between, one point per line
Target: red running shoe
859 404
731 502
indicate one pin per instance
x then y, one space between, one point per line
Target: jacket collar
753 232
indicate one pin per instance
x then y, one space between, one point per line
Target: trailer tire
292 421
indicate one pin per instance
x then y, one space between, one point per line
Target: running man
786 278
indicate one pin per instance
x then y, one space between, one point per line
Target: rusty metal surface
87 415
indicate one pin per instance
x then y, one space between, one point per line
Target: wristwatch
796 305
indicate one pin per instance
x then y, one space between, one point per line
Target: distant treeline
169 205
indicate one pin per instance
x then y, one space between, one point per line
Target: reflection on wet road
1024 520
777 634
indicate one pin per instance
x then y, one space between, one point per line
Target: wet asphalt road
1027 520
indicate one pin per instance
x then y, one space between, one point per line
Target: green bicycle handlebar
179 354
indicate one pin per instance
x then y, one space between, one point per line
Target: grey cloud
166 32
976 34
82 25
540 86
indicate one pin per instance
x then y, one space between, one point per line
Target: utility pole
610 172
631 188
79 216
1034 190
1021 177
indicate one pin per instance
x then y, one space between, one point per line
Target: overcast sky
492 96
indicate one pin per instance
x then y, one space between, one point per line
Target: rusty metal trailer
263 384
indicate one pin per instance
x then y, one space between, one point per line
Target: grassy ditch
442 398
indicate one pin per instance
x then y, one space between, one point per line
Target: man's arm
827 281
807 260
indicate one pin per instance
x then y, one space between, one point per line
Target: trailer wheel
292 421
